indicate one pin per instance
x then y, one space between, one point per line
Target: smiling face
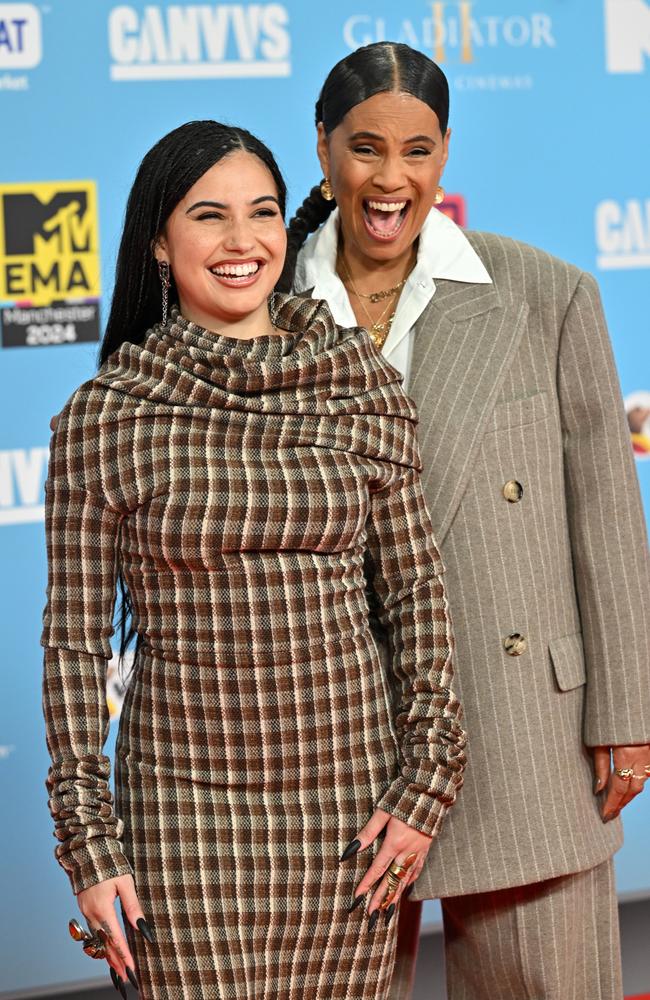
384 161
225 243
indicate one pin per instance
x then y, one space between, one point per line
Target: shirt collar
443 252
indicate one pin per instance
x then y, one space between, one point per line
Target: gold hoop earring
440 195
326 189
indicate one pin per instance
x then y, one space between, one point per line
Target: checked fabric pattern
262 501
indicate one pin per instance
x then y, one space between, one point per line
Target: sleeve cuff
418 810
94 861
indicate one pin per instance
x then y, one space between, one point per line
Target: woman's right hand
98 907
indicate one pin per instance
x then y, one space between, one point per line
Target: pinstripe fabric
555 940
250 491
517 381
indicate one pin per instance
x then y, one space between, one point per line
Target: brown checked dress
262 501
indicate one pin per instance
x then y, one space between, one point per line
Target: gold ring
77 932
95 949
647 770
624 773
399 871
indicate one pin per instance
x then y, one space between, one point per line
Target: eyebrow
380 138
220 204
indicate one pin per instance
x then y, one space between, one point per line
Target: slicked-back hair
164 177
374 69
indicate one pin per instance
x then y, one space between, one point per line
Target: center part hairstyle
164 177
374 69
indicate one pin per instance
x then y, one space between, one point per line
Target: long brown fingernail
389 913
131 974
350 850
145 930
374 917
596 786
358 900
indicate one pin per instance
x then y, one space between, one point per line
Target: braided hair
372 69
164 177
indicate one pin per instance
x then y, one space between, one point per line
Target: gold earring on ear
326 189
440 195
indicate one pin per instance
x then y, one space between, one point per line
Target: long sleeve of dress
82 536
404 570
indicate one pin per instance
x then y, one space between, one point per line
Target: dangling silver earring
163 274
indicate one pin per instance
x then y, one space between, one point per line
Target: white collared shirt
443 252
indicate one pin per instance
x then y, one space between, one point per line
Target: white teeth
236 270
387 206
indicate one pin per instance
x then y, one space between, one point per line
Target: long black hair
372 69
164 177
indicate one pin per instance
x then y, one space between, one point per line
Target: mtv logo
627 31
20 36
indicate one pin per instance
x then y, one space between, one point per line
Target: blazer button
515 644
513 491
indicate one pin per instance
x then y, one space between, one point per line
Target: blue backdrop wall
550 144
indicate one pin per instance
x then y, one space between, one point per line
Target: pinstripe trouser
553 940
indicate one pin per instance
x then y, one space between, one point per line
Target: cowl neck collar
315 367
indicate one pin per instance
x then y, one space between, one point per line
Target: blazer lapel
463 345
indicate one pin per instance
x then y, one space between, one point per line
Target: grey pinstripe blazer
516 381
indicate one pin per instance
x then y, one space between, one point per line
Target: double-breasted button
513 491
515 644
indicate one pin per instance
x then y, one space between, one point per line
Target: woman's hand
634 760
402 844
98 907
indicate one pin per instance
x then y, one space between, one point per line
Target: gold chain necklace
378 296
380 328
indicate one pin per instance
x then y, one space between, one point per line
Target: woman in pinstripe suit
529 478
251 473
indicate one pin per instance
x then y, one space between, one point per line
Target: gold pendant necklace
379 328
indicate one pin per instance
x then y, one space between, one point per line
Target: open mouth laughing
384 218
237 273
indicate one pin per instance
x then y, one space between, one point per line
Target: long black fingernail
122 987
358 900
131 974
114 977
374 917
145 930
350 850
389 913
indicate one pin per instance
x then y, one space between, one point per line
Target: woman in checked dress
250 471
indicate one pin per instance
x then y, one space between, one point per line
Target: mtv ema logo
49 263
627 32
20 43
22 478
623 234
199 41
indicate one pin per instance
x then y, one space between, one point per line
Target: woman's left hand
401 844
632 761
